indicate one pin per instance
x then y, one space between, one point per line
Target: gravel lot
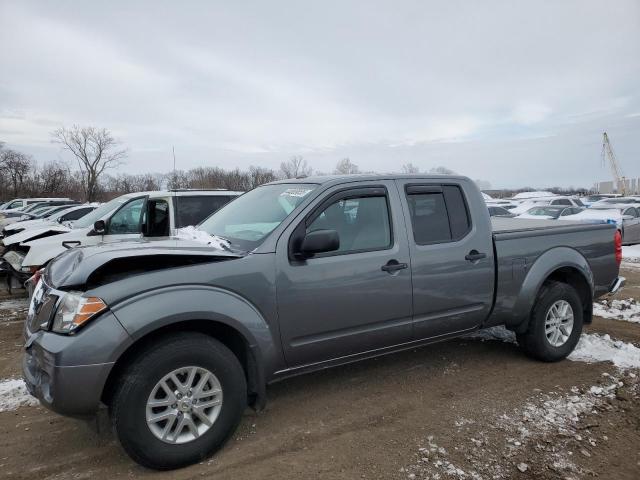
468 408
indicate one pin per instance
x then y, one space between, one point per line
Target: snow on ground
14 304
13 310
14 394
192 233
493 333
499 444
631 254
628 310
602 348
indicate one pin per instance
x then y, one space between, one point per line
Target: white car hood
44 249
38 222
30 233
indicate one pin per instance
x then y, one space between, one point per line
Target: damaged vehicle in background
176 336
58 217
130 216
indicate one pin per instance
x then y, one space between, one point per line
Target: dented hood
74 267
35 232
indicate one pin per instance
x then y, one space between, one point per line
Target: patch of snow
195 234
14 304
631 254
628 310
602 348
493 333
14 394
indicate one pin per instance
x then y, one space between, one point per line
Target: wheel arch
564 265
247 354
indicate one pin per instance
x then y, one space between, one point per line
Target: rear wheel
178 401
556 323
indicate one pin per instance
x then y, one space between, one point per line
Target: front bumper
68 373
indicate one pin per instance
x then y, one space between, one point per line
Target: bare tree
295 167
346 166
95 150
16 166
259 175
410 168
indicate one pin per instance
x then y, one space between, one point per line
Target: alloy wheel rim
558 323
184 405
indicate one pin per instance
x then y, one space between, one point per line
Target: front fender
545 265
155 309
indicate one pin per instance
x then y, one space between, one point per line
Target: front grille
42 307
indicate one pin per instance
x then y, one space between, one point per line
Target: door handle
474 256
393 266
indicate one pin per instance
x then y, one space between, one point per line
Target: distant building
632 186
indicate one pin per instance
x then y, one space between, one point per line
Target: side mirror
319 241
99 227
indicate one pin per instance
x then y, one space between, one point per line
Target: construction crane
616 171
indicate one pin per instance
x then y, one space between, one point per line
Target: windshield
89 219
553 212
247 220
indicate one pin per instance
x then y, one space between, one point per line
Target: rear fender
543 268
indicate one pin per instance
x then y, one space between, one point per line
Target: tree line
97 154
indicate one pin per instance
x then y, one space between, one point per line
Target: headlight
75 310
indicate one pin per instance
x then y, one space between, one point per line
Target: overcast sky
517 93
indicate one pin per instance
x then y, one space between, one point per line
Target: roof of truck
361 177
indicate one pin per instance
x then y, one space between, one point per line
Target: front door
355 299
451 257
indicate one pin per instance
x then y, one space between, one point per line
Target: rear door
452 260
353 300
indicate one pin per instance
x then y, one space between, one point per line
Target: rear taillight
617 243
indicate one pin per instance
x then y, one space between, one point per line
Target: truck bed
531 226
522 245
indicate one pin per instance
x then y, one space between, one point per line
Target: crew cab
134 215
176 336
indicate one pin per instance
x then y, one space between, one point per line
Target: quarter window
362 223
191 210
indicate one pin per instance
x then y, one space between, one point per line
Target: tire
535 341
129 408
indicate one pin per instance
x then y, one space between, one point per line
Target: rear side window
631 211
438 214
76 214
562 201
192 210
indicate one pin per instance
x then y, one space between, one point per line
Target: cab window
362 223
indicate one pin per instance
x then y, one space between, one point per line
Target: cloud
383 82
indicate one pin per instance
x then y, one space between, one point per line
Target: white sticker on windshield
295 192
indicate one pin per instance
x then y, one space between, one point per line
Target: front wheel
556 323
178 401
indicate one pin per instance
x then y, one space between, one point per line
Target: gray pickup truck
176 336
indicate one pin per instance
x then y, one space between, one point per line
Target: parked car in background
616 201
591 199
176 336
58 219
557 200
130 216
9 216
495 211
625 217
21 203
550 213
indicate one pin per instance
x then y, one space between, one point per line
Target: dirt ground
460 409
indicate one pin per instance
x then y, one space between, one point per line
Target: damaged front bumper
12 271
